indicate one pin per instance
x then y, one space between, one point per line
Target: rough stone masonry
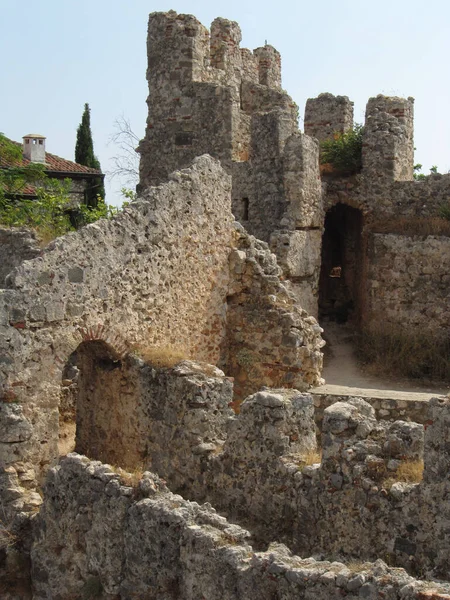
209 95
87 323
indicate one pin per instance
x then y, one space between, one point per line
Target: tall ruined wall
297 239
143 541
209 95
16 245
160 277
203 91
278 198
157 275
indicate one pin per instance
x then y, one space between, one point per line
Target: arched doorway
341 275
99 406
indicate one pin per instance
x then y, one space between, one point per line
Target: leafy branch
344 151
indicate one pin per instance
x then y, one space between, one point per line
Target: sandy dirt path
341 370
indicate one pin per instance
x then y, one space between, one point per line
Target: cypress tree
84 155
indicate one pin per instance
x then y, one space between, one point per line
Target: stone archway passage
341 275
100 406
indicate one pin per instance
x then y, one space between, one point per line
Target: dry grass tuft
409 471
311 457
355 566
128 478
413 226
394 352
162 356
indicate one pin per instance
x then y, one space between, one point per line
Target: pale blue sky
59 54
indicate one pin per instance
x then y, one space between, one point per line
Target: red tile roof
53 163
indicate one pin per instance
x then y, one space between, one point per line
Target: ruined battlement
388 146
178 340
327 115
207 95
181 50
349 504
203 90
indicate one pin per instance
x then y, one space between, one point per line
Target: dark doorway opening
341 272
99 406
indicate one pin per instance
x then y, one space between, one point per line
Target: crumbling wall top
328 114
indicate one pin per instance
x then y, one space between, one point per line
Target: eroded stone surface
174 272
134 542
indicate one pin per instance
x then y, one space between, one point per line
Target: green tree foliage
344 151
9 153
84 155
51 213
14 176
421 176
84 148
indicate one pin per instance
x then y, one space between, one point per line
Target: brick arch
99 332
31 387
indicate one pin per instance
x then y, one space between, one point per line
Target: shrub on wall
344 151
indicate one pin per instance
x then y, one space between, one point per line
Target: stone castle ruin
113 453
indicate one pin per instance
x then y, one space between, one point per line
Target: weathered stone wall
128 276
203 90
348 505
283 203
327 115
407 200
267 204
255 467
409 281
270 338
388 144
16 245
262 469
208 95
98 534
405 254
389 409
159 277
156 276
